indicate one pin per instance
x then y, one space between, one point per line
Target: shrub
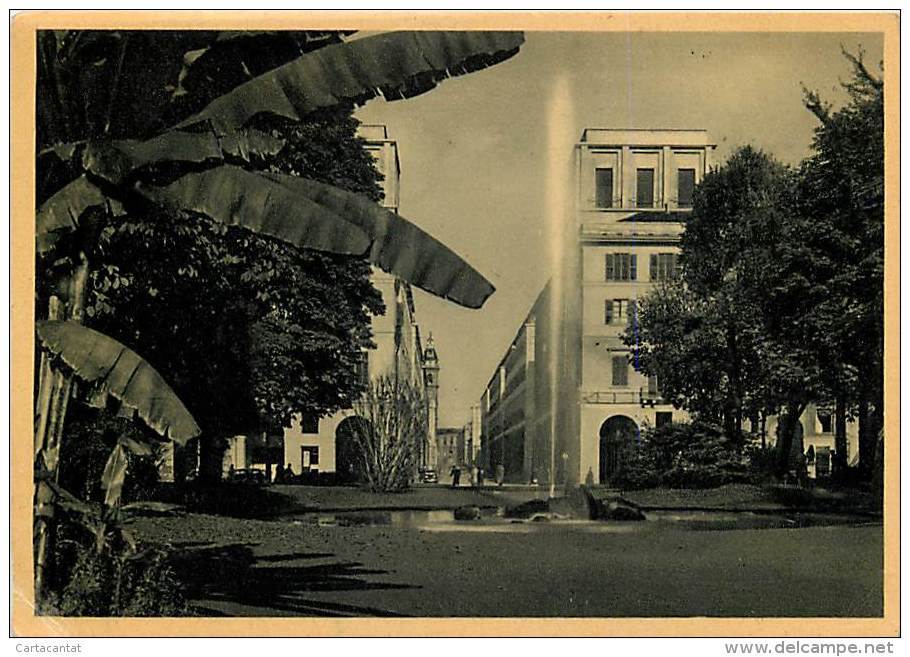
762 462
92 435
682 455
120 583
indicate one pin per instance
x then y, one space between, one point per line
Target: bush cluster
682 455
115 580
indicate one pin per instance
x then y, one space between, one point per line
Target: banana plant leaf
399 246
62 213
114 475
114 161
237 56
93 84
395 65
237 197
103 362
262 201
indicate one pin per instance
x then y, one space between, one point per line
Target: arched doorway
616 435
348 457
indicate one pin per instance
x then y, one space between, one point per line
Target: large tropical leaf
108 365
399 246
93 84
237 197
396 65
237 56
114 161
62 213
261 201
114 475
131 84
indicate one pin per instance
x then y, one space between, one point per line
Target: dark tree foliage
710 337
842 211
247 330
781 291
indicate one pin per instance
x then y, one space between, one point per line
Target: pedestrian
500 474
802 471
456 476
589 478
474 476
479 478
289 474
279 474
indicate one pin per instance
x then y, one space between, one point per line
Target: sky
475 158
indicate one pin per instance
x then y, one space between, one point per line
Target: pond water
492 520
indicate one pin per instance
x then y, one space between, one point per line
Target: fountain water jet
560 223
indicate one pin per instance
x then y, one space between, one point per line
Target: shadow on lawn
232 575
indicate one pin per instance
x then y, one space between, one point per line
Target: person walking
456 476
589 478
500 474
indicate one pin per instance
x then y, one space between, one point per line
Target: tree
782 282
249 331
388 430
841 198
130 121
712 338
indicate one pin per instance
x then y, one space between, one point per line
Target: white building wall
389 356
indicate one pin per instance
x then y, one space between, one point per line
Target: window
644 188
309 423
362 368
663 417
309 456
652 386
617 310
685 187
824 420
603 182
620 371
621 267
662 266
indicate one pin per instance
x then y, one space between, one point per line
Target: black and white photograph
470 323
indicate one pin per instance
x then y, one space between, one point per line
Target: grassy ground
339 498
757 498
271 568
254 502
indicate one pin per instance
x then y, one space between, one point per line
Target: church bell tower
431 384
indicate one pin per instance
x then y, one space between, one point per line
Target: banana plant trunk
54 390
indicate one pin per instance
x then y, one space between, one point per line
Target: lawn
281 567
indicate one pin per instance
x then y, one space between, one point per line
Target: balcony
642 396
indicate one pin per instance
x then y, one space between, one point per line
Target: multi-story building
472 434
509 410
574 399
450 450
324 445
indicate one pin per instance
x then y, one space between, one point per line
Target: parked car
248 476
428 476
